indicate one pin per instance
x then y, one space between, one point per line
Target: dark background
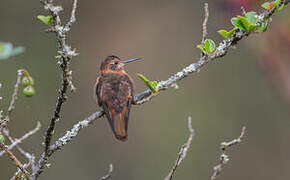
226 94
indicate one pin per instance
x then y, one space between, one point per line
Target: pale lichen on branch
65 54
223 160
108 175
183 151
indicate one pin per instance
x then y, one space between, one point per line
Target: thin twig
183 151
142 101
108 175
223 157
73 16
204 24
25 166
204 27
243 11
13 100
18 141
74 131
14 159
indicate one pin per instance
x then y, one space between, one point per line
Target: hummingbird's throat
109 71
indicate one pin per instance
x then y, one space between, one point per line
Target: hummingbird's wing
115 96
97 90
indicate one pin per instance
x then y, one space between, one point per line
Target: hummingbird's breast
115 89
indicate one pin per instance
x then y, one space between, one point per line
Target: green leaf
227 34
265 5
252 17
17 50
224 33
231 33
202 48
2 139
143 78
264 26
245 22
279 8
7 50
45 19
270 5
238 23
152 85
209 46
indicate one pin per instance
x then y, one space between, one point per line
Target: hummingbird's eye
116 62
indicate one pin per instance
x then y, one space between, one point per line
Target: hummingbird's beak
130 60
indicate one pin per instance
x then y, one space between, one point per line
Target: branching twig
65 54
108 175
13 100
18 141
183 151
224 158
74 131
14 159
17 173
221 51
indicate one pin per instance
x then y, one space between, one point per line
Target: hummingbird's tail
118 119
120 129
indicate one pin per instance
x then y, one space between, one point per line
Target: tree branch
65 54
108 175
221 51
204 24
18 141
3 123
14 159
183 151
74 131
223 157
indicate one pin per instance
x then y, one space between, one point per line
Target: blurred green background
225 95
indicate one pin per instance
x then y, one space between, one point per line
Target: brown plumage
115 91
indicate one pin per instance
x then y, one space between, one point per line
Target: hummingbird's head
114 63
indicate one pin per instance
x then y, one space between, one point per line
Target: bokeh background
246 87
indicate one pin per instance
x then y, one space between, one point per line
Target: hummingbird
114 90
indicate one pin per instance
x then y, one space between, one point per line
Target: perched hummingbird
115 91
